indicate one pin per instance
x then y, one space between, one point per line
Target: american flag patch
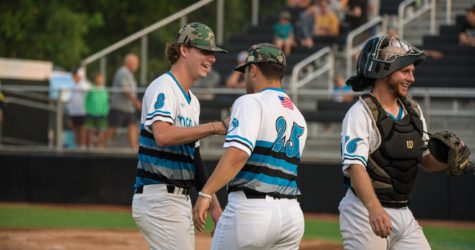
286 102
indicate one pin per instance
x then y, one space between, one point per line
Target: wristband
205 195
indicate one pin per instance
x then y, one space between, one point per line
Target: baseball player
169 161
384 140
264 144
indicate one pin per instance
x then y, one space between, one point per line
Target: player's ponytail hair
172 52
360 83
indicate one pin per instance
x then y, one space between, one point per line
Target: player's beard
396 88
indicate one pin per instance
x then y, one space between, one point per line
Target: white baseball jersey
165 100
164 217
359 138
268 127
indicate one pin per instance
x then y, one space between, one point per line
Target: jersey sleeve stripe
158 112
356 156
159 115
251 145
240 142
357 159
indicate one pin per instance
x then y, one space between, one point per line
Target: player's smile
205 59
401 80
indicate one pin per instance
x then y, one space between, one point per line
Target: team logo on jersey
352 145
160 101
234 125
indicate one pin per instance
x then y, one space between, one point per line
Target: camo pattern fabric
264 53
198 35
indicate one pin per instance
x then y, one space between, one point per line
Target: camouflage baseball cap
263 53
199 36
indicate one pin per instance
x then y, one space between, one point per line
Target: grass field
18 216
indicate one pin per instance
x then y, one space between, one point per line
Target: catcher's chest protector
393 165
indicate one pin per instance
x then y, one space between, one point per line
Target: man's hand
200 212
220 128
380 221
215 212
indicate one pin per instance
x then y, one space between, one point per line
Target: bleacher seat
455 69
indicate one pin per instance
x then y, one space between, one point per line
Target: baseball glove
446 147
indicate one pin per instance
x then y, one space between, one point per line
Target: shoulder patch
234 125
352 145
160 101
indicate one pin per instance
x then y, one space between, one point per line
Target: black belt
170 190
250 195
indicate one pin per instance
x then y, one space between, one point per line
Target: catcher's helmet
381 56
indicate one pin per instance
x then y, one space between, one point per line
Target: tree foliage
67 31
47 30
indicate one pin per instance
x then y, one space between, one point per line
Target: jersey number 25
291 147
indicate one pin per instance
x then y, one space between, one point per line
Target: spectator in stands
76 109
341 91
326 21
467 35
236 80
338 6
97 110
295 8
304 32
124 102
284 33
355 13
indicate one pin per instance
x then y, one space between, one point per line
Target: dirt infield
92 239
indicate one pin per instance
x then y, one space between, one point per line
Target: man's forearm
228 167
361 183
170 135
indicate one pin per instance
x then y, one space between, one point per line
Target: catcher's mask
381 56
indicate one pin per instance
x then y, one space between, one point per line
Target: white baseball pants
259 224
164 219
357 233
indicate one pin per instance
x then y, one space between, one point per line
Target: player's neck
386 98
183 78
265 84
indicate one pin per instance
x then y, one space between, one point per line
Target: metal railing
144 43
143 34
351 49
448 12
404 20
451 109
314 59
